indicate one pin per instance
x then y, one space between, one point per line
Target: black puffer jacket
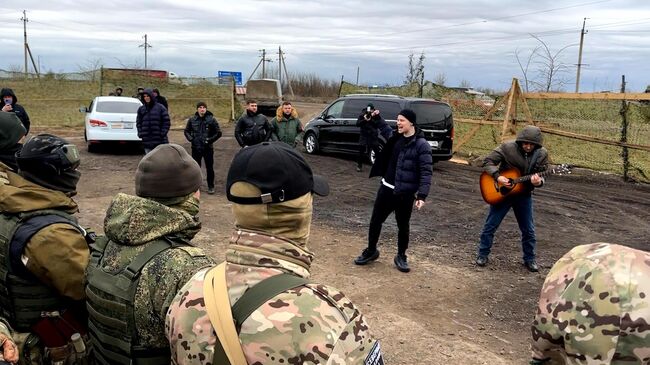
16 108
202 132
414 165
252 129
152 123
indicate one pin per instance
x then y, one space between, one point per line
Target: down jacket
414 165
16 108
152 123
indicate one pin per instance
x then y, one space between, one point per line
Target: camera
368 112
8 101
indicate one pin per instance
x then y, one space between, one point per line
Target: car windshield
117 107
431 113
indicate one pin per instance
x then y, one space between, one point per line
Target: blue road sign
229 74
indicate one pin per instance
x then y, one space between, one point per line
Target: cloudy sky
472 41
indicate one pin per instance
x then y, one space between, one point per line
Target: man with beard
252 128
202 130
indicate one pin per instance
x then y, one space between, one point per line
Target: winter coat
202 132
20 112
163 101
369 129
511 155
287 130
251 130
133 222
414 165
152 123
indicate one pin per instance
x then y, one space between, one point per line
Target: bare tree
524 68
440 79
415 71
552 72
465 84
90 67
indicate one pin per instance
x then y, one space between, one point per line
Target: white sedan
111 119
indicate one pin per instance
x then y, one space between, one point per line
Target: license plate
433 144
128 125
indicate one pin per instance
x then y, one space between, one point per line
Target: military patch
374 357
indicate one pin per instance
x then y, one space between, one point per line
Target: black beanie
201 104
167 172
410 115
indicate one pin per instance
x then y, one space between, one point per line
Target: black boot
367 256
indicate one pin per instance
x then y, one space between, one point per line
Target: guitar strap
533 161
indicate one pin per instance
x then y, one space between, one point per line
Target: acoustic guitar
494 192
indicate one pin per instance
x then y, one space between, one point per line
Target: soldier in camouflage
43 255
311 323
593 308
146 256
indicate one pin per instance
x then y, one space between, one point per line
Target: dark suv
335 129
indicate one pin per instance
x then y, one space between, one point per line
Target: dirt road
446 311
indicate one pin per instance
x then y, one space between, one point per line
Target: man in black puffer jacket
10 105
202 130
405 165
152 122
252 127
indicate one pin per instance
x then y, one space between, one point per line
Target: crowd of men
145 293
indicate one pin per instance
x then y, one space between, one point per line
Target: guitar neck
527 177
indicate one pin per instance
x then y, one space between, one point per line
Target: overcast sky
469 41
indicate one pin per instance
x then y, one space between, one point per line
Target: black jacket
368 134
251 130
414 165
152 123
202 132
162 100
17 108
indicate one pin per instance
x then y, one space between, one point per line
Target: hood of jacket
8 92
530 134
18 195
280 115
151 97
132 220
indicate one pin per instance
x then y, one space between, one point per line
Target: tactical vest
23 298
111 308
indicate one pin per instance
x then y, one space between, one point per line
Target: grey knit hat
167 172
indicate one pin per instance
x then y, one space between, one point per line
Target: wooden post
232 99
507 128
340 86
624 124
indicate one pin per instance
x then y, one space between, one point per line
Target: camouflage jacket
131 222
593 308
308 324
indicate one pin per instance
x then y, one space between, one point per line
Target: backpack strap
227 321
228 349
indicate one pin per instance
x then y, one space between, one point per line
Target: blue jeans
523 207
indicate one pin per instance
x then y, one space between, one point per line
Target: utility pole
145 45
284 64
264 61
582 37
25 20
280 65
357 76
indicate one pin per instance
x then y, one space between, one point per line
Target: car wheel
311 143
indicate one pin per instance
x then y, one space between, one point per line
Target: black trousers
364 150
207 154
386 203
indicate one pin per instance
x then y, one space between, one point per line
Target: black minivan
335 130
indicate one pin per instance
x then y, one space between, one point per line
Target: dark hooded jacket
511 155
152 123
414 165
368 133
17 108
202 132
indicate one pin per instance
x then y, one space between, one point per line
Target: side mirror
83 109
328 118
